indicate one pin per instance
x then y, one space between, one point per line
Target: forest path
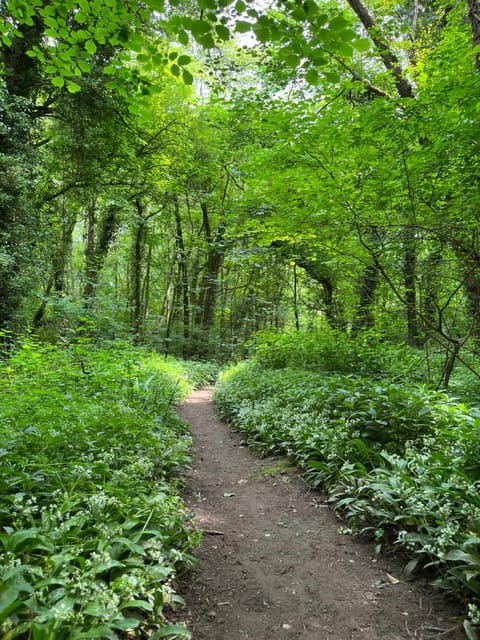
272 563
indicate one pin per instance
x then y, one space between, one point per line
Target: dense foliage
93 531
399 461
184 175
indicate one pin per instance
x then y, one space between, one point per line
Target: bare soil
273 565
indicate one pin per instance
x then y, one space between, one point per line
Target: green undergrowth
402 463
92 529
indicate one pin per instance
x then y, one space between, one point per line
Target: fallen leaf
392 579
228 495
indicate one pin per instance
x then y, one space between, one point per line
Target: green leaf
9 602
456 555
332 77
175 630
292 61
338 23
175 70
242 26
362 44
157 5
95 632
73 87
84 66
90 46
222 32
187 76
228 494
206 41
183 60
200 27
344 49
312 77
58 82
183 38
136 604
470 630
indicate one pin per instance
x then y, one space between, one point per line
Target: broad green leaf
470 630
184 60
187 76
362 44
292 61
173 631
137 604
242 26
73 87
344 49
312 77
200 27
95 632
183 37
84 66
90 46
338 23
207 41
332 77
222 32
9 602
58 82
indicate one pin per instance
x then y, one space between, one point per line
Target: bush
400 462
93 530
328 350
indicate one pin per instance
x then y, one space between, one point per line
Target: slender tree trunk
146 290
214 260
385 51
182 259
365 318
90 254
295 297
37 319
430 289
474 17
136 264
97 245
410 284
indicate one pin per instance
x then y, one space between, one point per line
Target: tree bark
410 285
389 59
474 17
182 261
364 318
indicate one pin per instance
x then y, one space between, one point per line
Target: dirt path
272 563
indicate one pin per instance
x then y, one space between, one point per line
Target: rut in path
272 563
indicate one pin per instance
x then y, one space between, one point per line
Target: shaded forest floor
273 565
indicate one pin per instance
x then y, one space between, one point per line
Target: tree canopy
193 172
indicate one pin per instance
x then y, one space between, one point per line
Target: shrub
92 528
400 462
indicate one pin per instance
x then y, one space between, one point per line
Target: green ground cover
400 461
92 529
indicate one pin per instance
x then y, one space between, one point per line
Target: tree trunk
364 318
97 246
410 285
182 261
212 268
474 17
